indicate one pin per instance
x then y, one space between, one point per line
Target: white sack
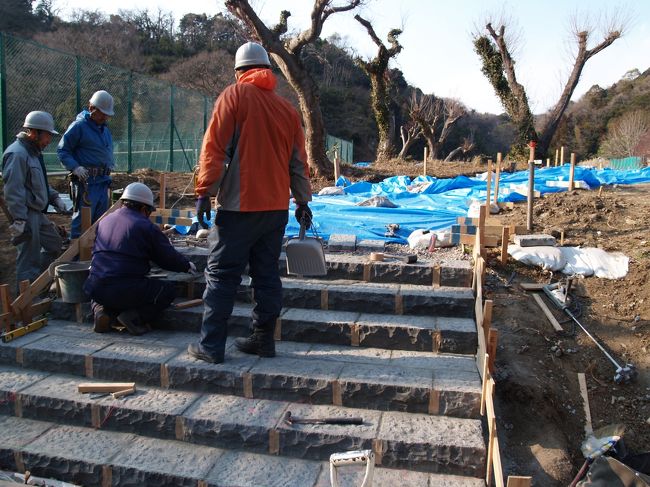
331 190
544 257
593 261
475 208
421 239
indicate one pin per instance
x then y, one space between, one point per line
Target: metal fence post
78 75
170 167
129 125
4 142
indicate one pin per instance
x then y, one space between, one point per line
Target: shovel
305 255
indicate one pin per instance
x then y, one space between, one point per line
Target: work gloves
81 172
303 213
203 210
60 207
193 271
19 232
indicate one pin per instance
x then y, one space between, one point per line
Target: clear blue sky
438 55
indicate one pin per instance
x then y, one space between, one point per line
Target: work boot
198 352
260 343
102 320
132 322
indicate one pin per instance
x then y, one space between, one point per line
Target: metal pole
78 75
170 166
4 129
129 124
531 188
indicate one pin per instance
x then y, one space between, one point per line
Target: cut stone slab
245 469
62 353
16 433
363 297
371 356
318 442
82 457
435 444
148 461
386 388
9 351
231 422
342 242
397 331
317 326
190 319
442 301
383 477
140 362
538 240
13 381
369 245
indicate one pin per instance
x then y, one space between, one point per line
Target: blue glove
303 212
203 210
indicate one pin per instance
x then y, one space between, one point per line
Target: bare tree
208 72
499 68
624 134
376 69
466 147
410 132
436 118
286 52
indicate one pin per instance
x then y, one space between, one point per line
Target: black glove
304 212
203 210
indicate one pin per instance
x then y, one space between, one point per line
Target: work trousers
237 239
97 195
149 297
40 250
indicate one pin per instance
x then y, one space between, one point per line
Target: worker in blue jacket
86 150
125 243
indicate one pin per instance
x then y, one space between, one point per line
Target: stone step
451 273
401 440
349 295
87 456
419 382
392 332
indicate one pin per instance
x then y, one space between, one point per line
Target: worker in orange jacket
253 154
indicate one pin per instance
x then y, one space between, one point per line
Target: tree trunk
453 154
385 147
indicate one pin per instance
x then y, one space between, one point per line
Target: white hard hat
40 121
139 193
251 54
103 101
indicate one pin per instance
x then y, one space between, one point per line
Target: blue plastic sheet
429 203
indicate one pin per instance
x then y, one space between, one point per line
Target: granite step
87 456
350 295
407 381
392 332
417 442
452 273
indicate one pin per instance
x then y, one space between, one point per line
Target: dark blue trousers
237 239
148 296
97 194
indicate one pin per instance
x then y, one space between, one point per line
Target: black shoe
259 343
195 350
102 321
132 321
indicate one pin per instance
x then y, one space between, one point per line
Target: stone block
342 242
383 477
397 332
369 245
419 273
317 326
12 381
362 297
539 240
369 356
297 293
442 301
232 422
62 353
16 433
456 274
8 350
457 335
57 399
340 266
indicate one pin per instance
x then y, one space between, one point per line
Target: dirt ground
539 407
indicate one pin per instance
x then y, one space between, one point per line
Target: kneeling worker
125 242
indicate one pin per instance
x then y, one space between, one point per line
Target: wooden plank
572 171
519 481
104 386
41 307
123 393
175 212
485 374
585 400
7 318
487 317
25 313
492 340
532 286
489 184
505 240
547 312
188 304
497 179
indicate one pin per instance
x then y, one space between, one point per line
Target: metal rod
592 338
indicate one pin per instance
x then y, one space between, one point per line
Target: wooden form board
556 325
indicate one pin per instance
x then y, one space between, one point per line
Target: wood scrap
547 312
85 387
123 393
188 304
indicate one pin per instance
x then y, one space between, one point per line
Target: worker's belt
93 172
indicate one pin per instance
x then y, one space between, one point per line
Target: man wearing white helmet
86 150
253 154
126 242
28 195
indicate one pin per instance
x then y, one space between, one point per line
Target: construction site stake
531 188
424 162
489 184
572 171
497 178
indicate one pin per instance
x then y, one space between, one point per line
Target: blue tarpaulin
430 203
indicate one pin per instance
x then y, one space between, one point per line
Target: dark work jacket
126 241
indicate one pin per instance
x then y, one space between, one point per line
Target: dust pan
305 255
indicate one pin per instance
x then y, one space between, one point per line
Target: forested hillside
197 52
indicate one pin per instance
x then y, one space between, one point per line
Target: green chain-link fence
156 125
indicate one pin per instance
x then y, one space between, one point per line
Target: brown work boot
132 322
102 321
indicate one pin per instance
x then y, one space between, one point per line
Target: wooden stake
531 189
425 161
572 171
78 311
557 156
489 185
514 481
6 305
163 191
337 166
562 238
505 238
562 156
188 304
497 178
548 162
585 399
547 312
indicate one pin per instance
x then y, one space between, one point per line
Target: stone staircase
389 342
